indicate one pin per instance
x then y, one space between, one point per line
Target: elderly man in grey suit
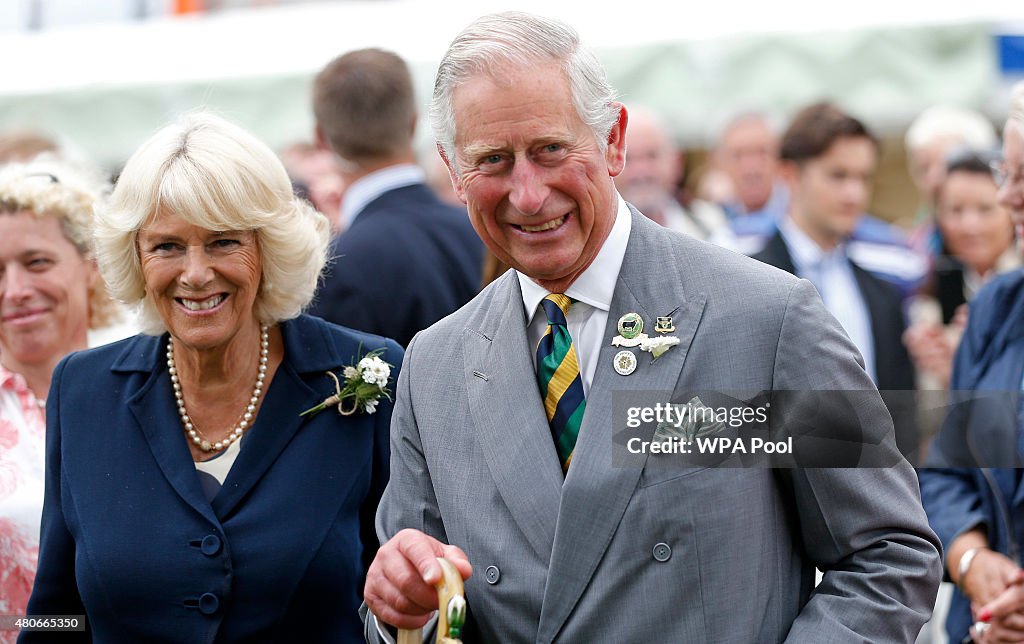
503 432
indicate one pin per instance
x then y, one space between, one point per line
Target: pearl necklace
243 424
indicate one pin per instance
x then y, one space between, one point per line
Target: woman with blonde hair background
50 296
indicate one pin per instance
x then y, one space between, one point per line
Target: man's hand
932 348
400 584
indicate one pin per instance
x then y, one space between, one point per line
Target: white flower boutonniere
658 345
365 384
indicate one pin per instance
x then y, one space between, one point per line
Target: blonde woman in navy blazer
186 499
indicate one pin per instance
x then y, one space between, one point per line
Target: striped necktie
558 373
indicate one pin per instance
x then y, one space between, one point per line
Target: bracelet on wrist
965 565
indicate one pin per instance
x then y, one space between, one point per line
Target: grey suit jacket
634 553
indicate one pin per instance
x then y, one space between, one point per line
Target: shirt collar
9 379
804 251
596 285
367 188
13 381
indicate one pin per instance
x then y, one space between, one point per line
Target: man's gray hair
963 126
521 39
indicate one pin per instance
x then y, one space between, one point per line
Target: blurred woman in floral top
50 295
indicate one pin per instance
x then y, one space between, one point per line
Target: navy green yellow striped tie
558 373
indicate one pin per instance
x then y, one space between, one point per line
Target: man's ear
678 164
452 174
321 140
615 154
789 172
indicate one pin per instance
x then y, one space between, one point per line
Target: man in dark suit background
404 259
828 162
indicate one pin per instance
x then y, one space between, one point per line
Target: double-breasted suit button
210 545
492 575
208 603
662 552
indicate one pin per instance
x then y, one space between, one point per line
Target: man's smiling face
537 183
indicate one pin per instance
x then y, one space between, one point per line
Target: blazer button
492 575
208 603
210 545
662 552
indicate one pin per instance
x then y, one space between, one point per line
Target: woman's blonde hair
215 175
48 187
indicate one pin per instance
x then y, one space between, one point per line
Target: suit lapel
880 318
275 426
505 404
307 350
596 491
775 253
154 410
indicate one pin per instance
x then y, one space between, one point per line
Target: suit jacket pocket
656 475
660 468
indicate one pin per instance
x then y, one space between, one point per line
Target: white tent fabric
107 87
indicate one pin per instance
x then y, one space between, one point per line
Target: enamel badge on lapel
664 324
631 327
659 344
624 362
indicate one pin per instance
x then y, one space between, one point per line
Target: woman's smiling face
45 284
203 283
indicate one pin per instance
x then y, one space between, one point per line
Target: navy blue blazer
959 488
407 261
129 538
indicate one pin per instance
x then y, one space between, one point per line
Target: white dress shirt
366 189
832 274
592 292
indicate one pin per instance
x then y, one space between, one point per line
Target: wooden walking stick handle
451 609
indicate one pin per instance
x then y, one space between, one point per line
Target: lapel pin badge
624 362
631 331
664 324
630 325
